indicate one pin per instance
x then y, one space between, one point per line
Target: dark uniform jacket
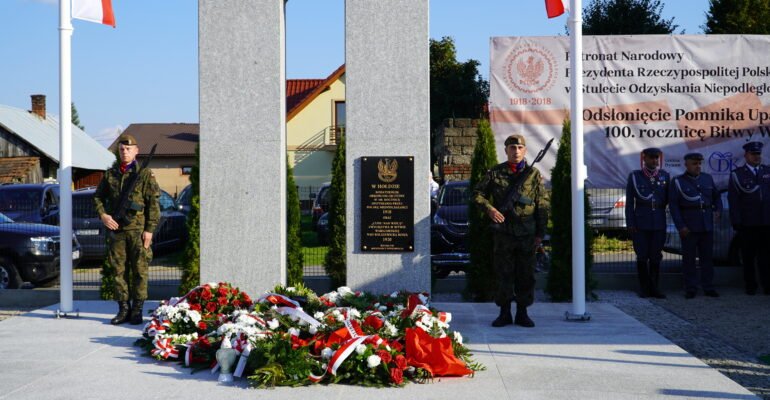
749 196
646 199
144 210
529 215
692 202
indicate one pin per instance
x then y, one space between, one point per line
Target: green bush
480 274
294 256
559 285
190 265
336 258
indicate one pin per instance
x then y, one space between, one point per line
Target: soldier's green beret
127 140
515 139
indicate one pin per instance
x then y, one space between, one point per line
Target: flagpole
579 173
65 157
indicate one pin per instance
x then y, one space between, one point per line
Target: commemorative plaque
387 204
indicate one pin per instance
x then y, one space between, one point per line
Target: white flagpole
65 156
579 172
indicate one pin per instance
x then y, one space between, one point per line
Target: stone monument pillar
388 112
242 143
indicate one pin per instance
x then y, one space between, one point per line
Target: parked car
33 202
608 210
29 252
322 229
184 200
171 233
449 229
321 203
725 240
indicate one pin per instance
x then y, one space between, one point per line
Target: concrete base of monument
613 356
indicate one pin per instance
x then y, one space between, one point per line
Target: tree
335 262
76 118
480 274
626 17
294 257
738 17
191 258
457 90
559 284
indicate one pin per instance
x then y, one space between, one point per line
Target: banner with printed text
681 93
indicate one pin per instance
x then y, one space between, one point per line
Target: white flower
394 295
344 290
423 298
291 289
272 324
373 360
294 331
360 349
213 285
312 329
382 308
336 313
458 337
318 315
327 353
340 318
354 313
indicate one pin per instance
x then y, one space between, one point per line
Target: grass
604 244
312 251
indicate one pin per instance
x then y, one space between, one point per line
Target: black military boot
654 279
123 311
136 312
522 319
644 279
505 316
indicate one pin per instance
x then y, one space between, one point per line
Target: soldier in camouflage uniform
129 245
518 228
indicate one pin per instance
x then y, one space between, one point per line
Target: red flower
389 304
211 307
234 291
206 294
397 346
202 326
245 298
400 362
195 307
237 303
193 297
384 355
222 291
397 376
374 322
222 301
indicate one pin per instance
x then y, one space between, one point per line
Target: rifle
513 195
124 201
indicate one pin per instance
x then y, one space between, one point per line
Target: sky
146 69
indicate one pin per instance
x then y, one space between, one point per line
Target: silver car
725 239
608 209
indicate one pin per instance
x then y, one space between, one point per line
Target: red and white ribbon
164 348
242 361
298 313
278 299
155 327
339 357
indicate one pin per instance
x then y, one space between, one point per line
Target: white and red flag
554 8
99 11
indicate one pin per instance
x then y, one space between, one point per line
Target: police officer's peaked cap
693 156
515 139
652 152
753 147
125 139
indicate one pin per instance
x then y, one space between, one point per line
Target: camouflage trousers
514 264
130 260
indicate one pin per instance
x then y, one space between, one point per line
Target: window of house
339 113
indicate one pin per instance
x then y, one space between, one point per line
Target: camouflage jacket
144 209
529 216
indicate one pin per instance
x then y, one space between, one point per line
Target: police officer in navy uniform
748 194
694 202
646 199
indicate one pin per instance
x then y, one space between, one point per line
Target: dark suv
29 252
170 234
33 202
449 230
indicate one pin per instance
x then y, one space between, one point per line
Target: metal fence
314 236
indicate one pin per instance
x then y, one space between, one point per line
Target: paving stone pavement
727 333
